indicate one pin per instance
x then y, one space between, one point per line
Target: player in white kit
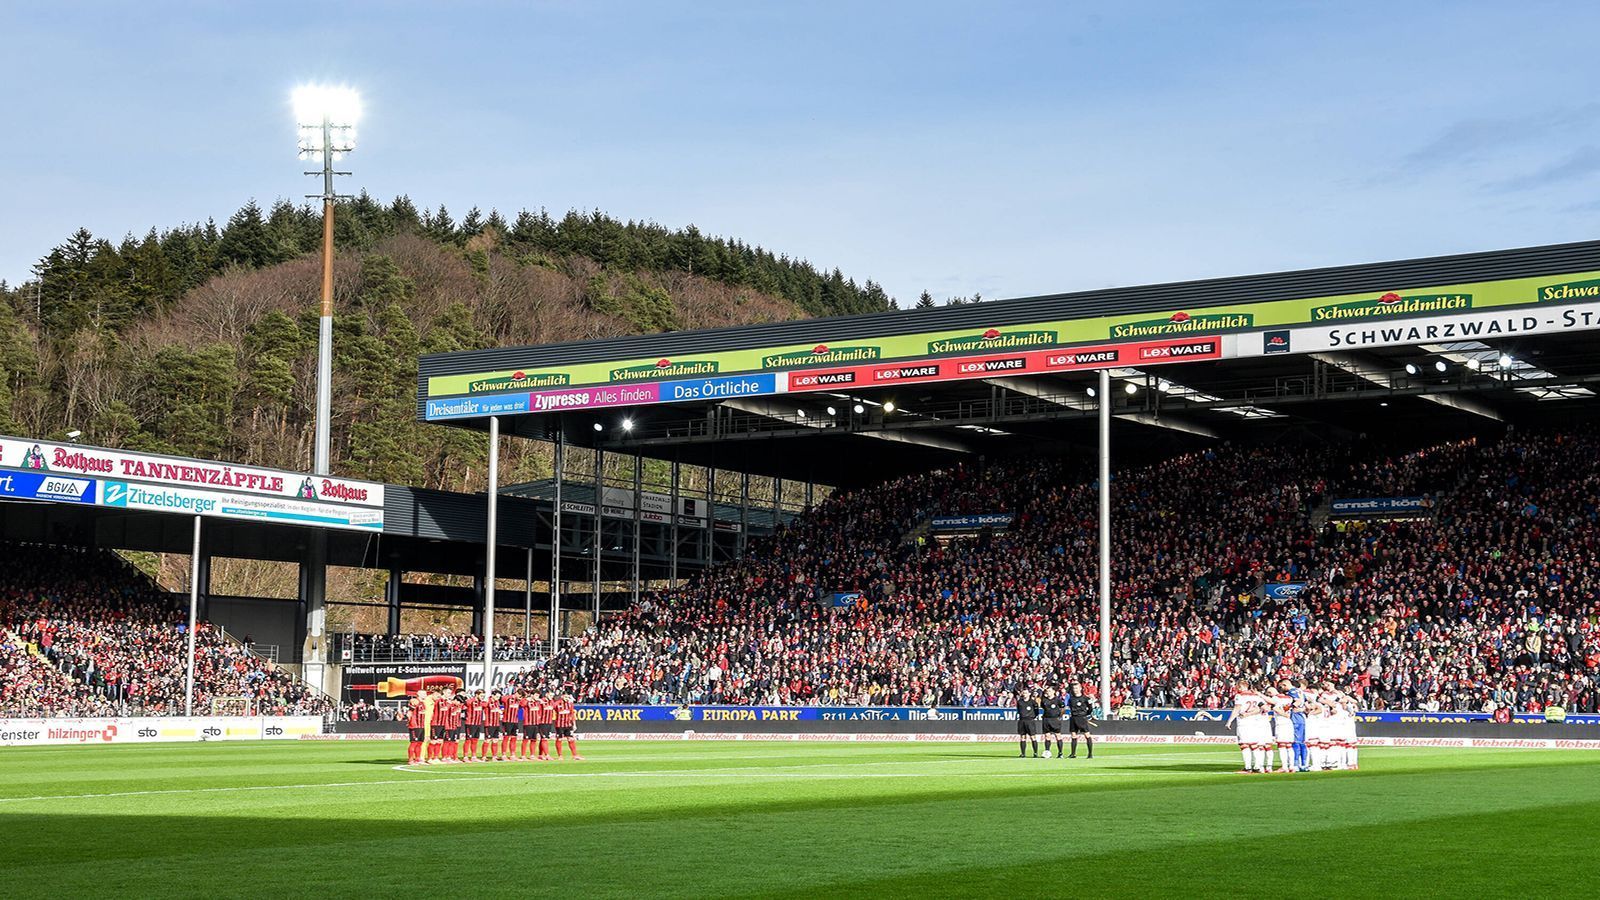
1347 732
1278 704
1249 718
1316 731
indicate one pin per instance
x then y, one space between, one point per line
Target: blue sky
1005 148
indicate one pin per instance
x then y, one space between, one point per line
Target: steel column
1105 543
489 551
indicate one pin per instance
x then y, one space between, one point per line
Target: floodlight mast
326 118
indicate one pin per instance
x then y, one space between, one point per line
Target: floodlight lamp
832 411
334 105
1440 365
888 406
800 413
599 427
1092 392
1505 360
860 409
627 424
1411 369
1131 388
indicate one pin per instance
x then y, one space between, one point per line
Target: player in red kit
436 727
452 726
493 711
510 724
416 723
530 726
543 716
474 723
566 716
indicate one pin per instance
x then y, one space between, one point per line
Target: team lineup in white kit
1313 730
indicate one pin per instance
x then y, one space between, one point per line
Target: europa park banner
1097 342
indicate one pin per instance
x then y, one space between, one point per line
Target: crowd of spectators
1489 600
86 634
1225 566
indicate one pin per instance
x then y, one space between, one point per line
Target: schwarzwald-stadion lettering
800 366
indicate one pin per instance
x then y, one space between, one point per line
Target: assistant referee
1081 708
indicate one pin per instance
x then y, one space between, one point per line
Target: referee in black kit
1081 709
1027 723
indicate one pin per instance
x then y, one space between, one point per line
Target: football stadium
352 550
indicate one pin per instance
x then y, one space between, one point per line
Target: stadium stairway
271 663
917 532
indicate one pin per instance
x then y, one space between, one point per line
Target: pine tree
245 241
926 301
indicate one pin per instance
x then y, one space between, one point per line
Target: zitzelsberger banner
1449 312
71 473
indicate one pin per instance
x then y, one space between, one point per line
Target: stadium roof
1451 383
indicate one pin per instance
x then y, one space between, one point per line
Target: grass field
702 819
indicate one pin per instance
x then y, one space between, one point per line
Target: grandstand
1376 383
958 558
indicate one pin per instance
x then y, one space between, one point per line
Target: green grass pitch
710 819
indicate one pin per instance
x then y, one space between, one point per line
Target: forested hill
201 340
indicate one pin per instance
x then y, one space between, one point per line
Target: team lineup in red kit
514 726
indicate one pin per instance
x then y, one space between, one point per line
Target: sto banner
155 729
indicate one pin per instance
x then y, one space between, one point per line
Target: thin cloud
1580 163
1473 139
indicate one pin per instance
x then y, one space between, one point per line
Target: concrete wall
267 621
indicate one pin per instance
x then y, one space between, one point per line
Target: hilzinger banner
1522 306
